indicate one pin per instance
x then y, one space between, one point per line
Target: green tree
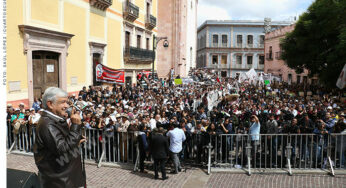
318 42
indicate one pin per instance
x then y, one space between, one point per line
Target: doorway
96 58
45 71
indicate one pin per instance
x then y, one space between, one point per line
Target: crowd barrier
234 151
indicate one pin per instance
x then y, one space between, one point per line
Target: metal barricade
279 151
234 151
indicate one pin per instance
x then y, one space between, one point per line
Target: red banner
106 74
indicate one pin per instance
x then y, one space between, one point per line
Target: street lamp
156 40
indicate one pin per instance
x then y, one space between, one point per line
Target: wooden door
45 71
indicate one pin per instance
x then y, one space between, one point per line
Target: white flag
342 78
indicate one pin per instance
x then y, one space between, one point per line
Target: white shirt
176 137
35 118
152 124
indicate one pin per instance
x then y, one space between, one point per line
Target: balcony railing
215 44
138 55
248 66
150 22
250 45
260 45
237 66
239 45
101 4
131 11
223 66
261 66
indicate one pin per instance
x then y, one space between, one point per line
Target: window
215 59
250 41
224 59
138 41
215 40
270 57
148 9
127 39
239 41
261 41
223 73
249 59
237 75
239 59
261 60
148 45
289 78
224 41
298 79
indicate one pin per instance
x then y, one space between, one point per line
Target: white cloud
210 12
250 9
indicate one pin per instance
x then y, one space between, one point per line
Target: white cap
31 109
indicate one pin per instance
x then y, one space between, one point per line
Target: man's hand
82 140
75 117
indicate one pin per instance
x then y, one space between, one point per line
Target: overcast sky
278 10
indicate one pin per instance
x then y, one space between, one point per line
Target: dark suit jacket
56 153
159 146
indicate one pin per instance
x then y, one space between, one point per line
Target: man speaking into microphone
56 149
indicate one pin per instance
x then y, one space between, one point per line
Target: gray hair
51 94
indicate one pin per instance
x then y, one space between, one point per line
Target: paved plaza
119 177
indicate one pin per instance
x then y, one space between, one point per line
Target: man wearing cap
56 148
124 124
33 119
17 121
22 108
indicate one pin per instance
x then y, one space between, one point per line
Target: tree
318 42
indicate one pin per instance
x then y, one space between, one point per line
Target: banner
106 74
178 81
342 79
266 82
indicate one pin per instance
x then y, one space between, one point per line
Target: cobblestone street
118 177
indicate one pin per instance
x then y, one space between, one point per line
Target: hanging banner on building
106 74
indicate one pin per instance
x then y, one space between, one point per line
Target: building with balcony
178 22
232 46
274 65
57 42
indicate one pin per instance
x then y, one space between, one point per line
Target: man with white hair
56 149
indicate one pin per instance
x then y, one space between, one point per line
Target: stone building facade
274 65
177 22
231 47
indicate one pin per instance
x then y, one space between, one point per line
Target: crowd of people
208 108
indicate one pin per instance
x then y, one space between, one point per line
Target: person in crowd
143 147
176 138
160 151
192 108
